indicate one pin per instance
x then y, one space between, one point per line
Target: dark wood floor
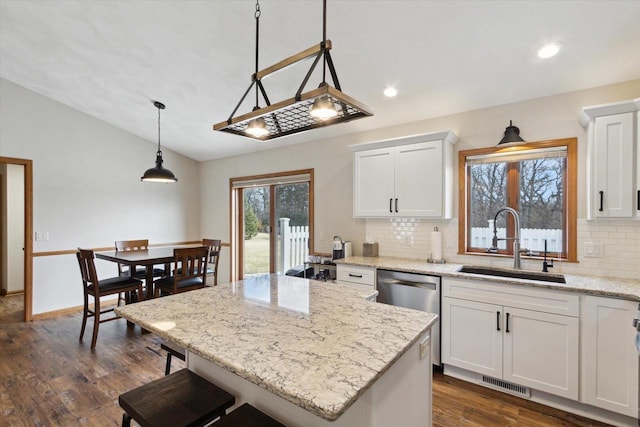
11 308
49 378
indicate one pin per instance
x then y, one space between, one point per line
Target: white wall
13 228
539 119
87 190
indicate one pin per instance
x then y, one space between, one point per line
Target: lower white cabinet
609 374
358 275
511 342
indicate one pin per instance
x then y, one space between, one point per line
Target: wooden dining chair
135 245
189 273
92 286
214 257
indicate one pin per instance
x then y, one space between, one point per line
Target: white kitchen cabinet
409 176
356 274
541 351
613 169
524 336
609 372
470 336
638 164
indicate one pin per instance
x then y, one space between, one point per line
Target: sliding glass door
273 222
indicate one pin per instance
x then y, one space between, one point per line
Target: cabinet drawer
518 296
361 275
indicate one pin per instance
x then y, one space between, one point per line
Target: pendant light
511 136
158 173
324 106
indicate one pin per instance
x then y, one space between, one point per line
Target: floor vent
507 387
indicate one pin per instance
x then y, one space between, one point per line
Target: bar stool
179 399
172 350
247 416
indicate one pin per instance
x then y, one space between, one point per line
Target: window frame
570 197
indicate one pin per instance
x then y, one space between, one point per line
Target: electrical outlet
449 243
43 235
593 250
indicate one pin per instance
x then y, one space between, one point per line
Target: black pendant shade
511 135
158 173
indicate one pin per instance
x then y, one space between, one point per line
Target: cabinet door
637 195
541 351
609 355
472 336
419 179
613 165
373 183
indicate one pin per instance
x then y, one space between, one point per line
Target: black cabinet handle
396 205
507 329
390 205
498 320
601 200
638 199
359 276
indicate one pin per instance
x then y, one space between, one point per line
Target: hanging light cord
324 41
159 152
257 16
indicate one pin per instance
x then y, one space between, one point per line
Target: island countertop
318 345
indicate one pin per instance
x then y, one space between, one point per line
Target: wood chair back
190 270
214 256
88 271
130 245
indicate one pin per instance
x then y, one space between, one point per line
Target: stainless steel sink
514 274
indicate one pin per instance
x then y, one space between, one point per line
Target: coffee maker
341 248
338 248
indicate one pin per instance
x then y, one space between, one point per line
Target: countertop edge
575 283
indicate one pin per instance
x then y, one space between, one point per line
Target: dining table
147 258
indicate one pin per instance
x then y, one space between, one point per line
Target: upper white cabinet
410 176
613 161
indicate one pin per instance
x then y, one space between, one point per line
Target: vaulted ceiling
110 59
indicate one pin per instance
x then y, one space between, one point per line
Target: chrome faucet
516 238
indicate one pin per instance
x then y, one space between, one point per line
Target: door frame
28 232
236 228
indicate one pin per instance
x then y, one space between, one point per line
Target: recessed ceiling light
390 91
548 50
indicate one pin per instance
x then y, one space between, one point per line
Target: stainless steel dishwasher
416 291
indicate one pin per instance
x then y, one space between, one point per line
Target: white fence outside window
294 245
530 238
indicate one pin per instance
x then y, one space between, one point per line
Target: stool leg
126 420
167 370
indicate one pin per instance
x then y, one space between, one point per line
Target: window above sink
538 180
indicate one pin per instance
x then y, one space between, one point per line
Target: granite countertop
318 345
600 286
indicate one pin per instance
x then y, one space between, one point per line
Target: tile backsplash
605 248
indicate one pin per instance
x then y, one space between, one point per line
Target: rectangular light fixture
299 113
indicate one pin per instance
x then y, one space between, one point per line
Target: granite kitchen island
307 353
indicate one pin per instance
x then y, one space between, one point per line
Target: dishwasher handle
424 285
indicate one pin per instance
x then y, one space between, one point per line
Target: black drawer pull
638 199
498 319
359 276
396 205
601 200
391 205
507 328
